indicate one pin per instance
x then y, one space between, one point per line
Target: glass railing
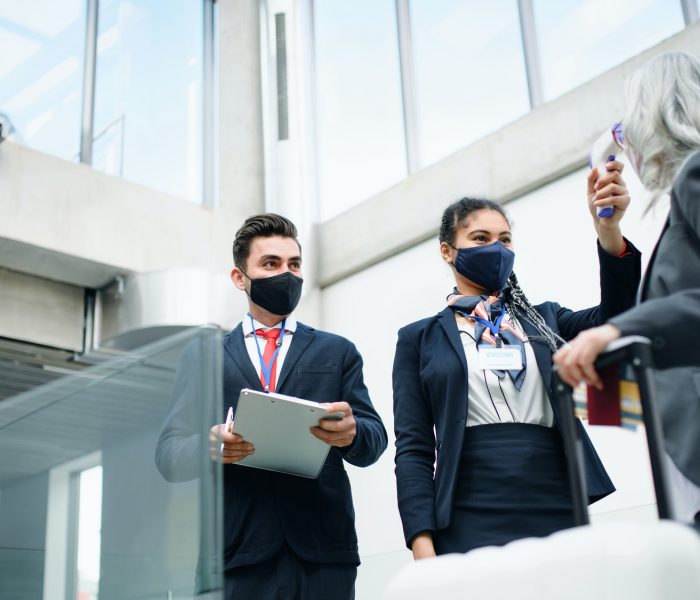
106 487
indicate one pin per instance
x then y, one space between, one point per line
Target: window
73 529
359 117
149 100
148 97
580 39
469 70
42 44
89 526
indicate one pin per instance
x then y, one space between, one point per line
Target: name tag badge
506 358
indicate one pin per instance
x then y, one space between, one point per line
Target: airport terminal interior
135 138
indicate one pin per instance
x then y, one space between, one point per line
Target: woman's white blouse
494 400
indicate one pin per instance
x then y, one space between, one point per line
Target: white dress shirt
253 342
494 400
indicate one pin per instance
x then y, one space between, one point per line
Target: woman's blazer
669 315
431 402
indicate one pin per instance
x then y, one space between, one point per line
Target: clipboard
278 426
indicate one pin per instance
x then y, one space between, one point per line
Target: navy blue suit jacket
431 399
263 509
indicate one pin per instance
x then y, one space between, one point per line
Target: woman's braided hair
518 306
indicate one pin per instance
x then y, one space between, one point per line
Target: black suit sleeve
672 322
415 442
370 439
619 280
179 447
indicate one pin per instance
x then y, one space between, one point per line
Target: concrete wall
41 311
84 227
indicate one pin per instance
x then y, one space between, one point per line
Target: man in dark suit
284 536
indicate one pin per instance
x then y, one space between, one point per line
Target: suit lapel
447 320
300 340
641 292
235 347
543 356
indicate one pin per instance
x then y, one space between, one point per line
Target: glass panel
147 522
359 118
580 39
149 129
42 44
470 73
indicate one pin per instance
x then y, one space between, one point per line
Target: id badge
505 358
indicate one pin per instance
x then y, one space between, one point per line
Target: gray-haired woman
662 138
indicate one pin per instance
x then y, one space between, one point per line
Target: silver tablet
278 426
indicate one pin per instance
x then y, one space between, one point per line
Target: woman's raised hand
608 189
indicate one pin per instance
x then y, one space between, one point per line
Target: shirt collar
290 325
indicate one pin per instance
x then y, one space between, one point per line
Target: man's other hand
337 432
227 447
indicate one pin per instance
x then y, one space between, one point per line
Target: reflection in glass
119 531
148 128
42 43
470 73
359 118
580 39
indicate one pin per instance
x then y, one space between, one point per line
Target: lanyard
266 369
493 327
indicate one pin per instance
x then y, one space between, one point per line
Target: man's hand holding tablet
336 432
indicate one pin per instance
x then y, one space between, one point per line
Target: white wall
555 260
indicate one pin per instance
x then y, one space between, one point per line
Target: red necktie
271 336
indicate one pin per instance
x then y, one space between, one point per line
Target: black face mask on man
488 266
278 295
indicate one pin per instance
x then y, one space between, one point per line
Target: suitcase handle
636 351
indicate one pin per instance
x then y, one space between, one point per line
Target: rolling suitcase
626 361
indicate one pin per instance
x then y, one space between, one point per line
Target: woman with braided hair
479 457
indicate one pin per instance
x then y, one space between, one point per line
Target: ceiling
27 366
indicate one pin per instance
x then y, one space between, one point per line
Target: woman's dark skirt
512 483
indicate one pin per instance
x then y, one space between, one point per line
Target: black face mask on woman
278 295
488 266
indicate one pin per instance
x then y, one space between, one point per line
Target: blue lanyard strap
266 369
493 327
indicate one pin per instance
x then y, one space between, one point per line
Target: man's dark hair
266 225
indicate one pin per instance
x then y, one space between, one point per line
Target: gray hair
662 124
